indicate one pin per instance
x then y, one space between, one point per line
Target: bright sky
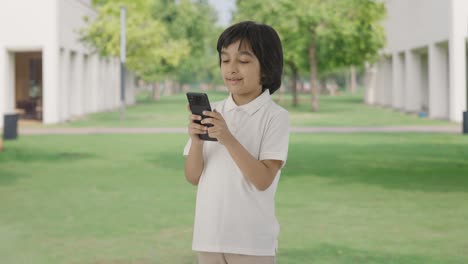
224 8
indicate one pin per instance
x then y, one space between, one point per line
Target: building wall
415 23
76 80
427 41
18 35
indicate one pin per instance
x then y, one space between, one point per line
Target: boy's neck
245 98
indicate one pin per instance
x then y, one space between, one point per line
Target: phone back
198 103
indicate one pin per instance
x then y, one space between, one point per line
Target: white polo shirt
231 215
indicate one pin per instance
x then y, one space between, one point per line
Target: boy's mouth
233 80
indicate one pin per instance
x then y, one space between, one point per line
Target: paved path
143 130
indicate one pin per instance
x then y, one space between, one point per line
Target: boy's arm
194 163
260 173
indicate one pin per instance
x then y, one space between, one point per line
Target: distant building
423 67
46 73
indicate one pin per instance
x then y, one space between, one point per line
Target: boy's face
241 70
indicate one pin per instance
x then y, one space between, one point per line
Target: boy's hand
195 129
219 130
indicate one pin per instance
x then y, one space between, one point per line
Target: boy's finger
212 114
207 121
195 117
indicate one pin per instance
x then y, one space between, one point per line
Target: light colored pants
225 258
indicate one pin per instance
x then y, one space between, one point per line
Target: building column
64 85
116 82
457 59
413 86
51 84
398 81
78 85
3 82
370 83
379 89
94 81
388 82
7 83
438 82
85 85
101 87
72 85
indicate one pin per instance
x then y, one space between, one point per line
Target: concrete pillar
116 82
370 83
94 82
398 80
3 82
424 82
85 91
380 84
413 85
388 82
51 83
7 83
64 107
457 59
438 82
102 86
72 85
78 85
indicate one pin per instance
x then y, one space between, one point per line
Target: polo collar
252 106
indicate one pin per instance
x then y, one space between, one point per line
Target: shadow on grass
333 254
35 155
7 176
406 166
15 156
166 160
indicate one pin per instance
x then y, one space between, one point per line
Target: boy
237 176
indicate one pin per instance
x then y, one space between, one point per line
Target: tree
149 46
277 14
195 22
330 34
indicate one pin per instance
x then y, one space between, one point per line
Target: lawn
171 111
360 198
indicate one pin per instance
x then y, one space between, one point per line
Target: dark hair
266 46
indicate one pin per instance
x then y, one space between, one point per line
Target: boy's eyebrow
243 52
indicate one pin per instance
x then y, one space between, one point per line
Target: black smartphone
198 103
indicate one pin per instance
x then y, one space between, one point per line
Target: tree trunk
353 80
156 91
293 82
315 90
168 87
294 87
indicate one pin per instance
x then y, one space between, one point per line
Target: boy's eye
225 61
244 62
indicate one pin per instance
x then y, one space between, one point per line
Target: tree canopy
164 37
321 36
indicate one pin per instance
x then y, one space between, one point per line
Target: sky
224 8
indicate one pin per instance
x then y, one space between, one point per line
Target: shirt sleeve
187 147
275 142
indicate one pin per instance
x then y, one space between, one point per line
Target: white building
46 73
423 67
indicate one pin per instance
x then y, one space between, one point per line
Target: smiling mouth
233 79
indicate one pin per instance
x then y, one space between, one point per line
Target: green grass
344 110
360 198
